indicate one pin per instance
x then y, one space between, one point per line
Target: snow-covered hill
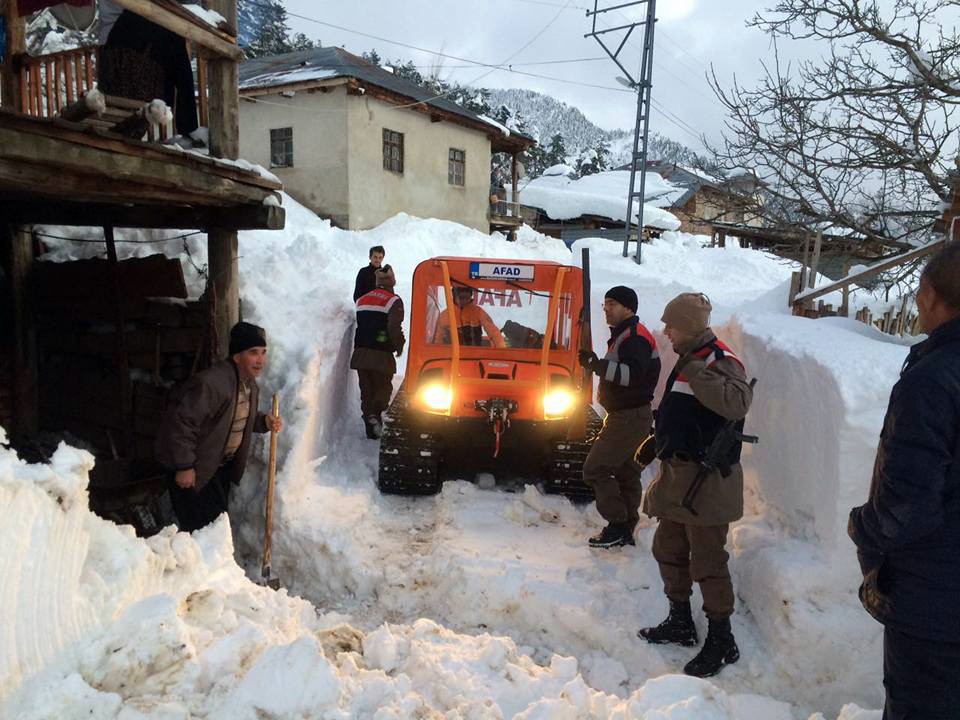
545 116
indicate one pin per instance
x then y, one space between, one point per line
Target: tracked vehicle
492 382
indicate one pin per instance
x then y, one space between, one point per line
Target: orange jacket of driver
468 316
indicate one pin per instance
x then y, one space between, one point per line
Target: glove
647 452
587 358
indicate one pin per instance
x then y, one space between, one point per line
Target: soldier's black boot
613 535
677 629
719 649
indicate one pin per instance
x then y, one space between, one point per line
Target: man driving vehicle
472 322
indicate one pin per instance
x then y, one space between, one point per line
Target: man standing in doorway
706 389
628 375
366 277
204 438
908 532
378 337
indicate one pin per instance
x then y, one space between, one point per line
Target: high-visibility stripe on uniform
378 300
613 353
710 354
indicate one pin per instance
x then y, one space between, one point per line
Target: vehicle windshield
485 316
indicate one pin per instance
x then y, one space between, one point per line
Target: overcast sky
690 34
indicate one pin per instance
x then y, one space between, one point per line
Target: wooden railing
48 83
502 210
801 298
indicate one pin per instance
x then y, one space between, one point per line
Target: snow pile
129 629
603 194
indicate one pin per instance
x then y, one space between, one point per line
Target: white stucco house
357 144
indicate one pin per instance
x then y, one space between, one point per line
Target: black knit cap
244 336
623 295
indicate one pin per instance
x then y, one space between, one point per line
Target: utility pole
644 86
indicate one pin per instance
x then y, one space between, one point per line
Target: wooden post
803 262
122 357
815 261
17 243
845 308
795 287
223 111
16 38
515 180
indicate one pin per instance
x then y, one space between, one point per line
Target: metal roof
333 62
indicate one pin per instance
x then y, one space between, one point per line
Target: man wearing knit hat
204 439
628 375
706 389
379 335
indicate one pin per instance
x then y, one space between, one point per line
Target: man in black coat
367 276
908 533
628 375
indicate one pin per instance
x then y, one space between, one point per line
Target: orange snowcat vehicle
492 381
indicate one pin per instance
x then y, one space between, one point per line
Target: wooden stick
271 481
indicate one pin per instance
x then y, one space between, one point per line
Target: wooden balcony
49 83
506 214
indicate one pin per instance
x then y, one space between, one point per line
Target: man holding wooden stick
204 438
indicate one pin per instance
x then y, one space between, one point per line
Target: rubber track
564 466
409 459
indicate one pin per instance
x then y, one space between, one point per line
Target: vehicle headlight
558 403
437 397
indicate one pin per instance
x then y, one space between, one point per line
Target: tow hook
498 412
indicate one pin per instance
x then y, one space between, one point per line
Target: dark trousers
143 61
609 468
695 553
921 678
375 390
195 509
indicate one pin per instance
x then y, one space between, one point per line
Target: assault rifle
715 457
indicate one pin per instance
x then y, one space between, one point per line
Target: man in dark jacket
706 389
378 337
366 278
204 438
628 375
908 532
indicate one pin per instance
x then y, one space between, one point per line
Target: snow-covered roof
603 194
317 64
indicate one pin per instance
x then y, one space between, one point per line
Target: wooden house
706 199
90 350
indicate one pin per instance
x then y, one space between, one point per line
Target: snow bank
126 629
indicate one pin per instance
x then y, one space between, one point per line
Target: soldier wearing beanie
378 337
628 375
706 389
204 438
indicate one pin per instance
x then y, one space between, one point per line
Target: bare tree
861 138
